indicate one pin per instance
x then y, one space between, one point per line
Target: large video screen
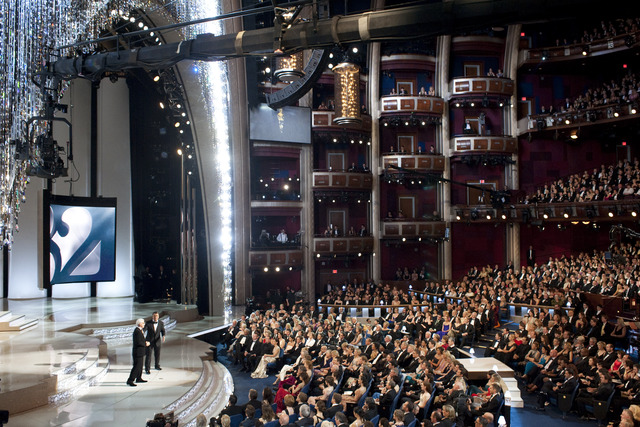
287 124
79 240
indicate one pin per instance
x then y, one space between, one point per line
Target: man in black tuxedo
562 387
493 404
252 353
336 406
139 345
155 337
370 408
531 257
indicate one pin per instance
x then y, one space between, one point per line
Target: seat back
272 423
601 407
395 399
565 401
236 420
375 420
366 393
307 386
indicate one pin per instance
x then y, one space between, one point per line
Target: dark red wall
263 282
465 173
411 255
544 160
476 245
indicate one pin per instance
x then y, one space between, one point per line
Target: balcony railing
575 212
411 104
260 258
483 144
461 86
342 180
413 228
423 162
342 245
574 51
323 119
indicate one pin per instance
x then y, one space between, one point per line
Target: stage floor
30 356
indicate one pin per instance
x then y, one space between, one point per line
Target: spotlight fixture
156 78
459 215
567 122
277 269
504 215
567 213
266 269
611 213
161 105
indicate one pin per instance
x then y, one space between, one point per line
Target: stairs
74 378
15 323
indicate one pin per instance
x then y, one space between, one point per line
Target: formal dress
139 345
261 370
155 334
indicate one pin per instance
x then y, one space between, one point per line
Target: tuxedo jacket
568 386
139 343
155 337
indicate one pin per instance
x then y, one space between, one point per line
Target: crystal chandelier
347 93
289 68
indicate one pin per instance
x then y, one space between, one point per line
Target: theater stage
70 368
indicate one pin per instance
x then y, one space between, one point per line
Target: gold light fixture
347 93
289 68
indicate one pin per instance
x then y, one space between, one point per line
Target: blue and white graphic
82 245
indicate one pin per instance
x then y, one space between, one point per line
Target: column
114 179
443 55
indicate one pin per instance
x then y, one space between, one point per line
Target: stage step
74 379
13 323
205 396
514 392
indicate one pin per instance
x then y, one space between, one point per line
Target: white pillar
114 179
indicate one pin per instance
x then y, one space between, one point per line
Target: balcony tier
413 228
342 180
481 85
411 104
342 245
423 162
276 257
483 144
323 119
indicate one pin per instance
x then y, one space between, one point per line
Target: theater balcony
413 229
322 120
541 213
275 259
415 161
472 144
324 246
407 104
569 125
579 51
341 180
478 87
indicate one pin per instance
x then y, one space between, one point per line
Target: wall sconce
347 93
289 68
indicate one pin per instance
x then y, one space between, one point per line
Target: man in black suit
155 337
562 387
253 399
493 404
387 395
341 420
252 353
249 413
139 345
531 257
591 394
232 407
305 416
336 406
370 408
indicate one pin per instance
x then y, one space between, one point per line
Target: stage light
176 124
161 104
634 213
354 50
266 269
140 24
611 214
179 151
567 121
488 216
156 78
277 269
616 114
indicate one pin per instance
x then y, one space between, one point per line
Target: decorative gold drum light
347 93
289 68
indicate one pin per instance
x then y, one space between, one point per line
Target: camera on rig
47 164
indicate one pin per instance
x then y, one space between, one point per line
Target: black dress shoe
158 368
148 372
140 380
130 383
